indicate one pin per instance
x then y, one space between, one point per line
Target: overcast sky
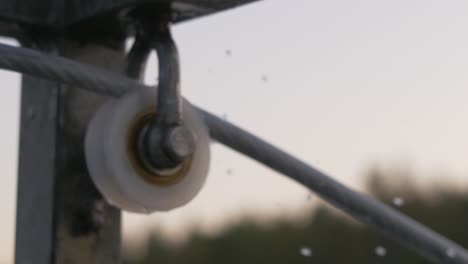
342 84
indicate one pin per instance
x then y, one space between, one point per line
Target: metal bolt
165 148
179 143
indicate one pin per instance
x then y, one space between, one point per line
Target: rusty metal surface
61 216
59 14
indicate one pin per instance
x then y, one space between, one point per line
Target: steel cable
370 211
392 223
64 70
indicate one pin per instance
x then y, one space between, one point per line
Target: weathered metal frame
61 217
388 220
60 14
35 202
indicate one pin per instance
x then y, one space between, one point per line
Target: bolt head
179 143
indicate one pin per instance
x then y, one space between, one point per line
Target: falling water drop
380 251
306 251
398 201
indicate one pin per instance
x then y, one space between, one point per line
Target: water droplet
225 117
229 171
451 253
309 196
228 52
306 251
398 201
380 251
264 78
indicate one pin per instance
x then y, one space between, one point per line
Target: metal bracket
165 141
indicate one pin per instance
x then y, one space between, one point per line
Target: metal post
61 217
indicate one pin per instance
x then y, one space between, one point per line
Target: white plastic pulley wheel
111 150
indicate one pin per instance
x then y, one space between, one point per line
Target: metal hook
166 142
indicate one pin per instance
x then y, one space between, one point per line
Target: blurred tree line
327 236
